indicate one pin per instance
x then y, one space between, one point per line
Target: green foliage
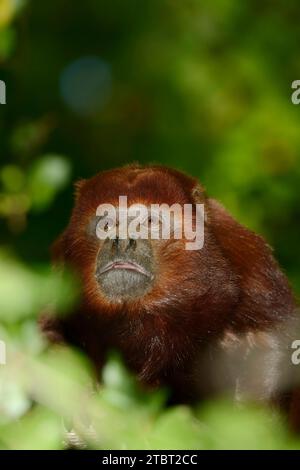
7 42
46 178
116 415
23 291
201 86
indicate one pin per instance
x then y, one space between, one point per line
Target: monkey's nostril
132 243
115 242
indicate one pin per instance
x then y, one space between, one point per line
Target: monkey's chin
120 285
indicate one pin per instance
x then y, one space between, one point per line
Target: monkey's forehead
140 184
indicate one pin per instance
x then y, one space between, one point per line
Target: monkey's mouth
128 265
125 271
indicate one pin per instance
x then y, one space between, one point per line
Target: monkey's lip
129 265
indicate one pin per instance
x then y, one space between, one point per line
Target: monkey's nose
121 245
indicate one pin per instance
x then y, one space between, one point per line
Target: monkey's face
127 266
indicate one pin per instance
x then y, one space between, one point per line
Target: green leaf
49 175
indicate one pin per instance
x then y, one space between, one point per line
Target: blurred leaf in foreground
120 388
40 429
24 292
243 427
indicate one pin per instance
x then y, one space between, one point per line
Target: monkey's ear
59 249
265 293
199 197
78 186
199 194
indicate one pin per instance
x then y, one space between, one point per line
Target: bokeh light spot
85 85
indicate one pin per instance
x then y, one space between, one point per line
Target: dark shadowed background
202 86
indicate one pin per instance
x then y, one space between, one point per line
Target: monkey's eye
108 225
105 225
154 220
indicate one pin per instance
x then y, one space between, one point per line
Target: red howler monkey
188 319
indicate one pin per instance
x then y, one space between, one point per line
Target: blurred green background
203 86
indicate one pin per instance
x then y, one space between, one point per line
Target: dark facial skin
125 268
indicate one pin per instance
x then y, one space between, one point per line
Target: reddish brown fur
232 287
